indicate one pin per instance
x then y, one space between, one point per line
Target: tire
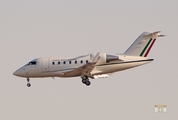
84 77
83 81
28 84
88 83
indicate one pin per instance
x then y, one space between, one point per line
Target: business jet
97 65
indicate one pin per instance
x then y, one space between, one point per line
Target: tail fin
143 44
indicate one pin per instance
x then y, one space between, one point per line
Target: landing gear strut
85 80
28 84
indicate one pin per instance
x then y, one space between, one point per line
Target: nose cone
17 73
20 72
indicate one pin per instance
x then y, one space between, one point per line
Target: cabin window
81 61
64 62
86 61
59 63
53 63
75 62
70 62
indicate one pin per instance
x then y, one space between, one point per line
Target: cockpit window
32 63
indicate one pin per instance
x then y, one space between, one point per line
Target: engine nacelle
110 58
104 58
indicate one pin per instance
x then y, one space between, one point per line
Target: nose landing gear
28 84
85 80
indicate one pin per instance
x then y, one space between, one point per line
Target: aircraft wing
84 69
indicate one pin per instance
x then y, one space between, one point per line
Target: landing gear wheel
88 83
84 77
84 81
28 84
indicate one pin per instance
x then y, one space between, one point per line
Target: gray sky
32 29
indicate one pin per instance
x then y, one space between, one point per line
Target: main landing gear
28 84
85 80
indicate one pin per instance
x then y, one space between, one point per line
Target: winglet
96 58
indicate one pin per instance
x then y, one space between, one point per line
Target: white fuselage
97 65
61 67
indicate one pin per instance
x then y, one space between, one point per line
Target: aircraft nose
17 73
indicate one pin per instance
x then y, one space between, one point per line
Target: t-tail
143 44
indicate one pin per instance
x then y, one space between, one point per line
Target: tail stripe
146 47
143 44
150 47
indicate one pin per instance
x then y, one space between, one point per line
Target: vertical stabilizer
143 44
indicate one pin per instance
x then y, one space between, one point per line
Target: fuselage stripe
149 48
145 47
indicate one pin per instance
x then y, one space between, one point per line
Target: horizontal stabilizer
154 34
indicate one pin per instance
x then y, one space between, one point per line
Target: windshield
31 63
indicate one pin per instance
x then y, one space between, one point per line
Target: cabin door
45 64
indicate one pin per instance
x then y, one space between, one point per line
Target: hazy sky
38 28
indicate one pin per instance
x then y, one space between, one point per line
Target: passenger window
59 63
70 62
86 61
81 61
53 63
75 62
64 62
